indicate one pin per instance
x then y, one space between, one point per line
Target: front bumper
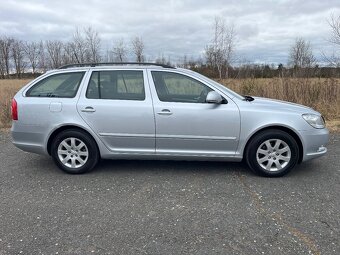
314 143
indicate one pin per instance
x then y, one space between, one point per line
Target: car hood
281 105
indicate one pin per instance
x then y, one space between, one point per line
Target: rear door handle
165 112
88 109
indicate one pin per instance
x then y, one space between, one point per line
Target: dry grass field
321 94
8 88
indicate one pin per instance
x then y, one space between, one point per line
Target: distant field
321 94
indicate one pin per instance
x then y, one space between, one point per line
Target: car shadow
208 167
107 167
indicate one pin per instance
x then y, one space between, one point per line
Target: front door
186 124
117 105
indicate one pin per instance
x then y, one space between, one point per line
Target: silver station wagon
81 113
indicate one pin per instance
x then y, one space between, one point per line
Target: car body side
46 116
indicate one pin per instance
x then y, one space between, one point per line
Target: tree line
20 58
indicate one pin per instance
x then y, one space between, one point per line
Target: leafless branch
32 51
334 23
138 48
93 44
119 51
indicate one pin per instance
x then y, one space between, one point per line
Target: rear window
57 85
116 85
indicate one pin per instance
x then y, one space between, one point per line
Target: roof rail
112 64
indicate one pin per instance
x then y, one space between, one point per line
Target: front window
174 87
220 86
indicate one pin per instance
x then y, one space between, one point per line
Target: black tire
91 147
270 135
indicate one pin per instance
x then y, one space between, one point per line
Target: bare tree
301 54
138 48
2 66
79 47
54 51
119 51
161 59
32 50
5 49
209 52
67 54
183 62
220 53
334 23
301 58
228 45
93 44
42 57
18 54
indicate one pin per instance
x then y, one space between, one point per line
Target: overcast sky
265 29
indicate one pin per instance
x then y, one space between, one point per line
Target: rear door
117 105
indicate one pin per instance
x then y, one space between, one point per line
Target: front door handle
165 112
88 109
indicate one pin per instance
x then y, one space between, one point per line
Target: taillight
14 110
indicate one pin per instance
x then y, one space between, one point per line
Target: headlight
314 120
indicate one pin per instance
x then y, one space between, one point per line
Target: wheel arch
282 128
66 127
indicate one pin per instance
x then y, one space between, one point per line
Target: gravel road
167 207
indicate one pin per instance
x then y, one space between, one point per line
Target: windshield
220 86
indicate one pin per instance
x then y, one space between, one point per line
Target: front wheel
74 151
272 153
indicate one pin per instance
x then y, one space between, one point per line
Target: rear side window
116 85
58 85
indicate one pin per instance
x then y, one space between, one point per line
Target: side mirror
213 98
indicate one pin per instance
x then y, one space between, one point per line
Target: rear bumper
28 138
314 143
35 148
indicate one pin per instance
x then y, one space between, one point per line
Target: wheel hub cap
273 155
72 152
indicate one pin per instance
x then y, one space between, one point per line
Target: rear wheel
74 151
272 153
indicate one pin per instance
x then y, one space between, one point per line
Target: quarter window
174 87
118 85
57 85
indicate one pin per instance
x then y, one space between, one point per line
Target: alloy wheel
273 155
72 152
